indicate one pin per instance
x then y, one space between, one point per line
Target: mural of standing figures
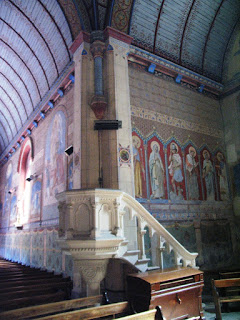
192 174
208 176
138 167
55 158
157 174
220 166
175 171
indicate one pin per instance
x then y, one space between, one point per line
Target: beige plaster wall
192 115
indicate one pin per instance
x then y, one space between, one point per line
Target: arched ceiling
35 37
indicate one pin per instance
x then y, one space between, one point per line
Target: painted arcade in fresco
166 170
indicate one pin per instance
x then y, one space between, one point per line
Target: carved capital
99 106
98 49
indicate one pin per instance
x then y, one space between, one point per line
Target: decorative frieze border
175 122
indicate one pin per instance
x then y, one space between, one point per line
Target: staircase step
153 268
142 264
131 252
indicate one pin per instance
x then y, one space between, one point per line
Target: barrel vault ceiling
35 36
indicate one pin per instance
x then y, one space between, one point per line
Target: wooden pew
50 308
219 297
67 286
120 308
229 274
154 314
29 301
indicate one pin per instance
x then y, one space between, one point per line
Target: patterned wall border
175 122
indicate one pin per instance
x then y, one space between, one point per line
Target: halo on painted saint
153 143
136 141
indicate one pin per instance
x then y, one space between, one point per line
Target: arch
24 170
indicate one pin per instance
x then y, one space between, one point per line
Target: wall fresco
36 200
55 158
7 195
168 170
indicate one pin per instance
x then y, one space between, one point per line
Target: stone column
93 272
119 103
85 139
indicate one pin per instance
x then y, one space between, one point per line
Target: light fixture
42 114
60 92
200 88
50 103
31 177
178 78
11 190
151 68
69 151
72 78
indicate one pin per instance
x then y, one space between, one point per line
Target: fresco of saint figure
192 174
8 186
222 176
36 198
175 171
208 176
138 168
156 172
55 161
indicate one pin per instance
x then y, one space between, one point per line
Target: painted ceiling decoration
35 37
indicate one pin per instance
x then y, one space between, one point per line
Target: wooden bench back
92 313
225 283
44 309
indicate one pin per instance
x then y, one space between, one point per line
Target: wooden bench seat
220 297
39 286
28 301
29 282
120 308
28 278
50 308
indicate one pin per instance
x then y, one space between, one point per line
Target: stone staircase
100 224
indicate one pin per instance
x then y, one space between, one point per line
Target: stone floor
209 312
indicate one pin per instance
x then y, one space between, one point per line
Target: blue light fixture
178 78
9 154
23 138
29 131
50 103
60 92
18 144
42 115
152 68
72 78
200 88
35 124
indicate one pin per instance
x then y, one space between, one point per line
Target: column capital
98 48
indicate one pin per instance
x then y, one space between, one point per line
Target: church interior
120 141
